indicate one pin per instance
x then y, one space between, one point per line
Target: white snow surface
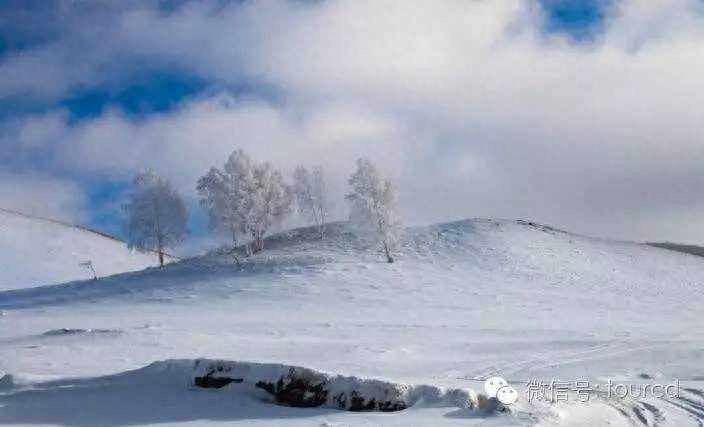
37 251
465 301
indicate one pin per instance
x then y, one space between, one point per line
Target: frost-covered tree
373 205
244 199
270 199
311 195
221 194
219 198
156 213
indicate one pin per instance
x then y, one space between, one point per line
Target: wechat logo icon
497 388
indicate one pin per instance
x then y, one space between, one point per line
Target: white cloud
469 105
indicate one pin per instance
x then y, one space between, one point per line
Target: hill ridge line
71 225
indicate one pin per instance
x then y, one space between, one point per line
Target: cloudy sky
587 115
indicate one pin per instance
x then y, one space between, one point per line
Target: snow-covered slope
37 251
465 301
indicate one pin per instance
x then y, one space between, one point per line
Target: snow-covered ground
464 301
37 251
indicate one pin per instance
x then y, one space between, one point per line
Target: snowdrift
306 388
164 393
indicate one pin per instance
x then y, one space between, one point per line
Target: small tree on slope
373 205
157 215
311 195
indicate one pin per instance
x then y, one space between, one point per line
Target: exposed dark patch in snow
541 227
7 381
76 331
678 247
306 388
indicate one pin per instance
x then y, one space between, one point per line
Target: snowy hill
37 251
687 249
465 301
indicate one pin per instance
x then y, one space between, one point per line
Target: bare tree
157 215
311 195
373 205
88 264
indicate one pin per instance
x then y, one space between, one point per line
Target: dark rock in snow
305 388
295 391
211 382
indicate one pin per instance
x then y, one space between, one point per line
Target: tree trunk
389 259
236 258
258 242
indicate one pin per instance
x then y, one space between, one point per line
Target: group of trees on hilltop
245 200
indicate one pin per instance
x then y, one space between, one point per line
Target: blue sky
142 69
580 20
